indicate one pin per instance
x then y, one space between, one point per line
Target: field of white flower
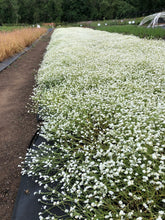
102 99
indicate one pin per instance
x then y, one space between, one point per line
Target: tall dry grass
15 41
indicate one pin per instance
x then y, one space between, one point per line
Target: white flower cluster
102 99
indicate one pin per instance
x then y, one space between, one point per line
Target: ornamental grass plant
15 41
101 97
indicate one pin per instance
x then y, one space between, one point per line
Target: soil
17 126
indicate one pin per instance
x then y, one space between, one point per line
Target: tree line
35 11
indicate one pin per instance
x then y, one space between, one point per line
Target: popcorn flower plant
102 99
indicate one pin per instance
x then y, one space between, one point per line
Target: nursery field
125 26
10 28
101 98
16 40
142 32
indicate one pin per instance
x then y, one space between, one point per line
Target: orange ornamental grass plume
15 41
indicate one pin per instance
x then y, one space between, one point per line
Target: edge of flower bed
26 205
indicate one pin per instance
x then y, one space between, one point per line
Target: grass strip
142 32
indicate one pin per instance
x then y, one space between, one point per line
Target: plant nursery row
142 32
101 97
16 40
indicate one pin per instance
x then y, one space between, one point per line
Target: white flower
111 192
130 194
161 212
130 214
120 202
121 213
103 116
130 182
44 197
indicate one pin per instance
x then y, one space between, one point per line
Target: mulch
17 126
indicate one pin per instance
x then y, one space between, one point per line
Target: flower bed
101 97
15 41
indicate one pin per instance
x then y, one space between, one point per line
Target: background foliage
33 11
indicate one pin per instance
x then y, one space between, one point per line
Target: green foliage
76 10
142 32
15 8
30 11
34 11
10 28
5 11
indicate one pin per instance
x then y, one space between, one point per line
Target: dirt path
17 127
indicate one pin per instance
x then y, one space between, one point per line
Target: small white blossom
101 98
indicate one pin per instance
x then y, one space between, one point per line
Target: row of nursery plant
10 27
16 40
111 22
101 97
125 21
142 32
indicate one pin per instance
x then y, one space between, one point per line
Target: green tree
74 10
15 11
54 10
26 11
106 9
93 9
5 11
123 9
34 11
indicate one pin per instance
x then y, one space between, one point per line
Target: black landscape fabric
27 206
10 60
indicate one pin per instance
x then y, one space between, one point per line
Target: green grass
10 28
142 32
94 24
123 26
117 21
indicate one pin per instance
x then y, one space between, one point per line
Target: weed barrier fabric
7 62
27 206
